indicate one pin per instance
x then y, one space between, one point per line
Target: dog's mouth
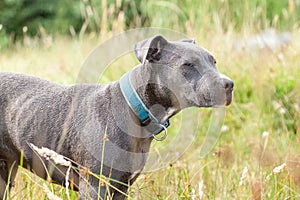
227 90
229 95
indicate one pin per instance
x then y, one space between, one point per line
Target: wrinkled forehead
191 52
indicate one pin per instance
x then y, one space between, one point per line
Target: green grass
266 99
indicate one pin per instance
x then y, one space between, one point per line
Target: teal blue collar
138 107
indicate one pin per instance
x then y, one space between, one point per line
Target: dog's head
187 70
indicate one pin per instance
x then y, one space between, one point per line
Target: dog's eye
189 64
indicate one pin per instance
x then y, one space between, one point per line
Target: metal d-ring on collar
139 108
165 133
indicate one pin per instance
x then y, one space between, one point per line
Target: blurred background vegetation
51 38
72 17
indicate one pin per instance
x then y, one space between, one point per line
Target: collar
139 108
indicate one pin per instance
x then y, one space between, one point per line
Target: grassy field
258 153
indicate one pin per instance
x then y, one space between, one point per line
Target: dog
107 129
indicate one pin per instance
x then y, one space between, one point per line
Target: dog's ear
150 49
193 41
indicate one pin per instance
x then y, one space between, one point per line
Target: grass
261 126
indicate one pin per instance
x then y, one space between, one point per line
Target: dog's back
13 85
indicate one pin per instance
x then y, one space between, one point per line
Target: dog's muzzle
215 90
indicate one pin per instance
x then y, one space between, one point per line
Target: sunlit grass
262 123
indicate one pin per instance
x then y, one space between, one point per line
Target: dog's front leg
89 189
2 188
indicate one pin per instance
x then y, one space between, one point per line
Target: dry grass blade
244 176
49 154
58 159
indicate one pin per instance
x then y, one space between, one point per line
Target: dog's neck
158 99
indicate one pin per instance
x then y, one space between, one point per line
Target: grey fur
72 120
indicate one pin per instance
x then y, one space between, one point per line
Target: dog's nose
228 84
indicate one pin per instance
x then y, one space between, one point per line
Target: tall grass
186 16
98 18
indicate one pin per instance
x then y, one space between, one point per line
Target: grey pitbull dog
106 128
